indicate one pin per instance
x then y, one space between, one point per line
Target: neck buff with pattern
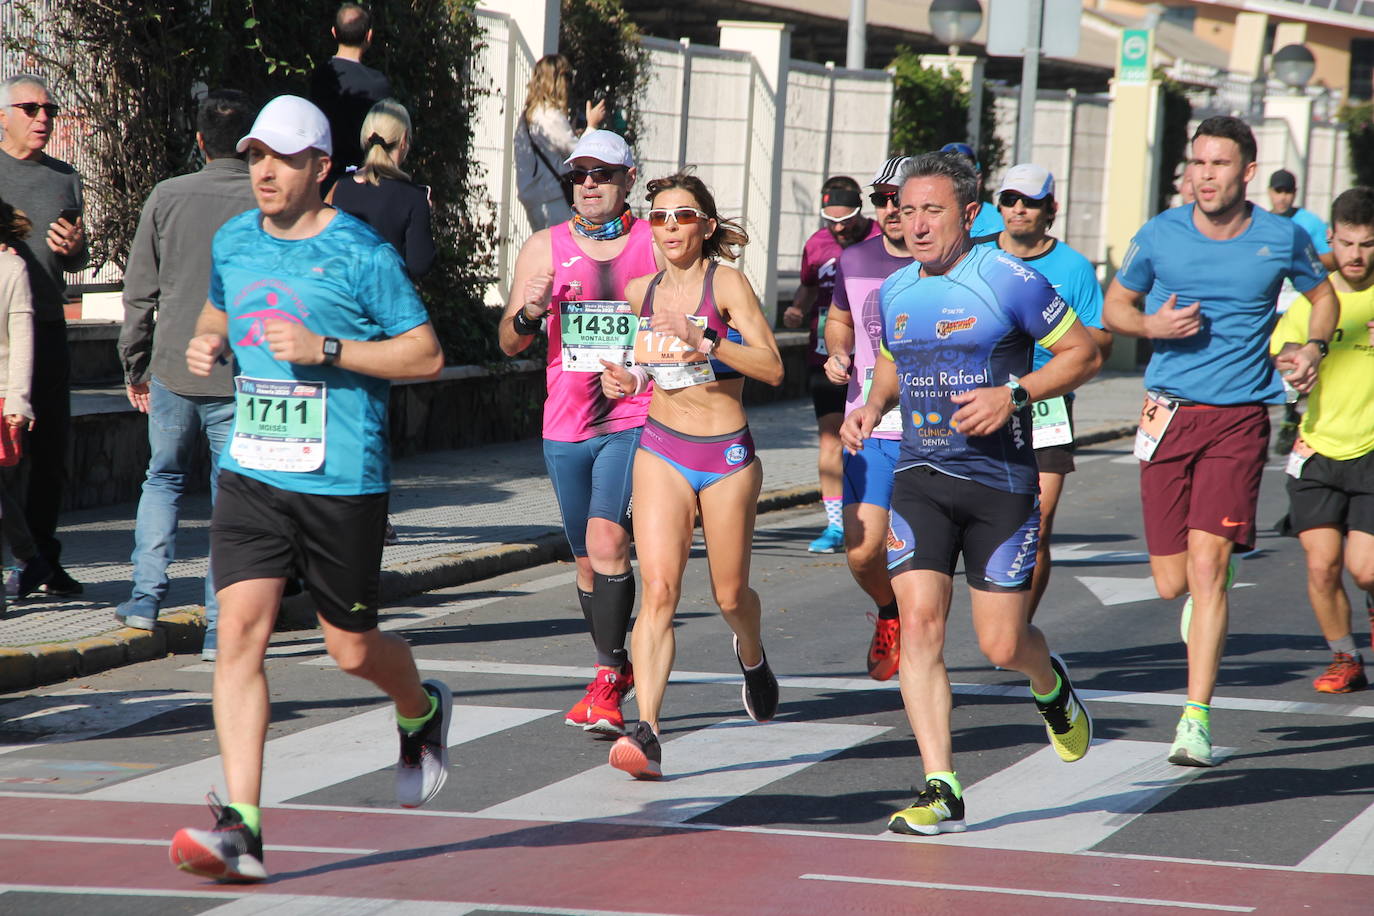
603 231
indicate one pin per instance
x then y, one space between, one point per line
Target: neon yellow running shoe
1067 722
1186 620
935 810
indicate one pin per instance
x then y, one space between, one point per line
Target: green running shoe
1192 744
1067 722
935 810
1186 620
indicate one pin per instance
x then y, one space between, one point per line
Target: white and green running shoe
1192 744
1186 620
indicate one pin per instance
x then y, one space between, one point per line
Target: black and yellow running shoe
1067 722
935 810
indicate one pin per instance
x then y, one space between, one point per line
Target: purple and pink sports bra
707 308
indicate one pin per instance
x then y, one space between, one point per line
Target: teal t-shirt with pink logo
345 282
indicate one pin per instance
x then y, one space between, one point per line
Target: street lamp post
954 22
1293 65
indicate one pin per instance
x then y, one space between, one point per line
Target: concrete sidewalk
461 515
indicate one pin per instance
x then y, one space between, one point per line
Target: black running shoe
935 810
62 585
37 571
230 852
423 768
638 753
760 688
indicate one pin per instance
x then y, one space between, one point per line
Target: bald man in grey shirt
165 288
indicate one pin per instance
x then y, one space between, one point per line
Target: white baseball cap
1028 180
289 124
603 146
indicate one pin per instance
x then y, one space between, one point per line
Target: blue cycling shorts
592 479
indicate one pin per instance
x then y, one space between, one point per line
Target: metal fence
714 111
1071 141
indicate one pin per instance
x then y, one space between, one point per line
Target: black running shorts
936 517
1333 493
826 397
334 543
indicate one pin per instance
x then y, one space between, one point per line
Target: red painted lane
665 869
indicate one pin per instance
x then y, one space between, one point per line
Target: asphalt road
780 818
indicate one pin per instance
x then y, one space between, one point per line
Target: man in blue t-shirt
320 315
1026 202
957 330
1200 282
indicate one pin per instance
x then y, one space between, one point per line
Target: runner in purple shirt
845 225
856 327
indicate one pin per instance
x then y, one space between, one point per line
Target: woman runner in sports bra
701 332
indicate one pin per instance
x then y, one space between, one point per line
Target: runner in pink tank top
589 440
575 408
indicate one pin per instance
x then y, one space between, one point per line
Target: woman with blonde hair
545 138
701 333
381 193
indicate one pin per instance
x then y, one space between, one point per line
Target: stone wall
466 406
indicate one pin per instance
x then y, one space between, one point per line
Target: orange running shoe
607 694
638 753
884 648
1343 675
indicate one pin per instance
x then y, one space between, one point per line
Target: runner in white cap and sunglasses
1028 207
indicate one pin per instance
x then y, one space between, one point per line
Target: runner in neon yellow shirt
1331 468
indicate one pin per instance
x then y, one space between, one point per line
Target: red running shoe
639 753
578 715
609 689
883 651
1344 675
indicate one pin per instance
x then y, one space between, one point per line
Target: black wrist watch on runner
332 347
1020 397
709 338
1322 346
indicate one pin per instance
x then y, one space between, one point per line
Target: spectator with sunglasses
49 192
589 439
1026 202
845 225
701 333
853 337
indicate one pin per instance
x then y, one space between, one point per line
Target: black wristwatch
1322 346
712 336
332 348
1020 397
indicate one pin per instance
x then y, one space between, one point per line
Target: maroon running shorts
1205 474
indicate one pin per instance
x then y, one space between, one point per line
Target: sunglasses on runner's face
1008 199
880 199
32 108
598 175
681 216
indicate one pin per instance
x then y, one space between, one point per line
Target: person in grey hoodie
165 288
